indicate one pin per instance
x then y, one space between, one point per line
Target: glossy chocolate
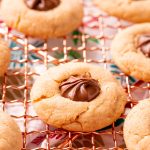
144 44
42 5
80 88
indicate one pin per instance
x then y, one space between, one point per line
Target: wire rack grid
96 20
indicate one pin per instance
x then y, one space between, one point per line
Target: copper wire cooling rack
93 21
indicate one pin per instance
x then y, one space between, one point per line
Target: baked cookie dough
131 51
131 10
42 18
10 135
78 97
4 57
137 127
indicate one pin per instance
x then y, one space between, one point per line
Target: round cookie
137 127
73 96
43 19
131 10
131 51
4 57
10 135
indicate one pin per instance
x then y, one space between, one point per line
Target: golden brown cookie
4 57
131 10
131 51
74 96
43 19
137 127
10 135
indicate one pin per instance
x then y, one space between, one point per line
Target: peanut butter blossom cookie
131 10
131 51
4 57
10 135
78 97
42 18
137 127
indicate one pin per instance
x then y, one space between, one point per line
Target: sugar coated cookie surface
78 97
10 135
131 10
131 51
42 19
4 57
137 127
